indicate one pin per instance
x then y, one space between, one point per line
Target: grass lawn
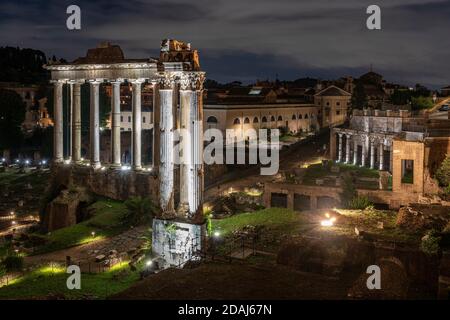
47 280
105 222
270 218
280 222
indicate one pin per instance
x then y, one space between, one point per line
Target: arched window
264 119
300 116
237 121
211 119
255 120
246 120
294 117
306 116
272 118
280 118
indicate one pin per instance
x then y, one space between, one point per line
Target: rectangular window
143 119
121 118
407 171
338 112
129 118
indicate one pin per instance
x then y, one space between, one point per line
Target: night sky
251 39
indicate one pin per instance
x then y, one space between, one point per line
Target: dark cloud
249 39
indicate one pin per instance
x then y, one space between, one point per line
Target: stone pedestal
177 242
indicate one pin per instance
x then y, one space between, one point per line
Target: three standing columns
191 155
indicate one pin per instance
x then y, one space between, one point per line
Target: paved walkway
120 245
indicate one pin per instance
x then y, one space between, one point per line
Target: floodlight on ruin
27 161
216 234
67 161
149 263
328 222
93 234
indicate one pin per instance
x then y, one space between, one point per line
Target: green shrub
13 262
360 202
430 243
139 210
443 173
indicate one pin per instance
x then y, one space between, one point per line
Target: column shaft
76 122
58 142
363 154
381 155
186 169
372 155
355 152
94 124
156 120
347 149
166 167
340 148
115 124
137 126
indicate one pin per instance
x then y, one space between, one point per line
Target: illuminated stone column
58 143
355 151
347 148
115 123
187 99
137 125
372 154
156 120
196 204
166 166
381 155
340 148
363 153
76 122
94 123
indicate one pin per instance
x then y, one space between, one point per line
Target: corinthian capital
168 80
192 80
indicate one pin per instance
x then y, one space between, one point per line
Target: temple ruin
177 83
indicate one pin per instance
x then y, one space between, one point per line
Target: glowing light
82 159
93 233
17 161
103 168
3 159
44 161
13 223
125 168
328 222
12 213
216 234
67 161
149 263
27 161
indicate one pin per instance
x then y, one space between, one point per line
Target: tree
12 115
138 210
359 97
421 102
443 173
401 97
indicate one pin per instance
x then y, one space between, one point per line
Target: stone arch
237 121
212 119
